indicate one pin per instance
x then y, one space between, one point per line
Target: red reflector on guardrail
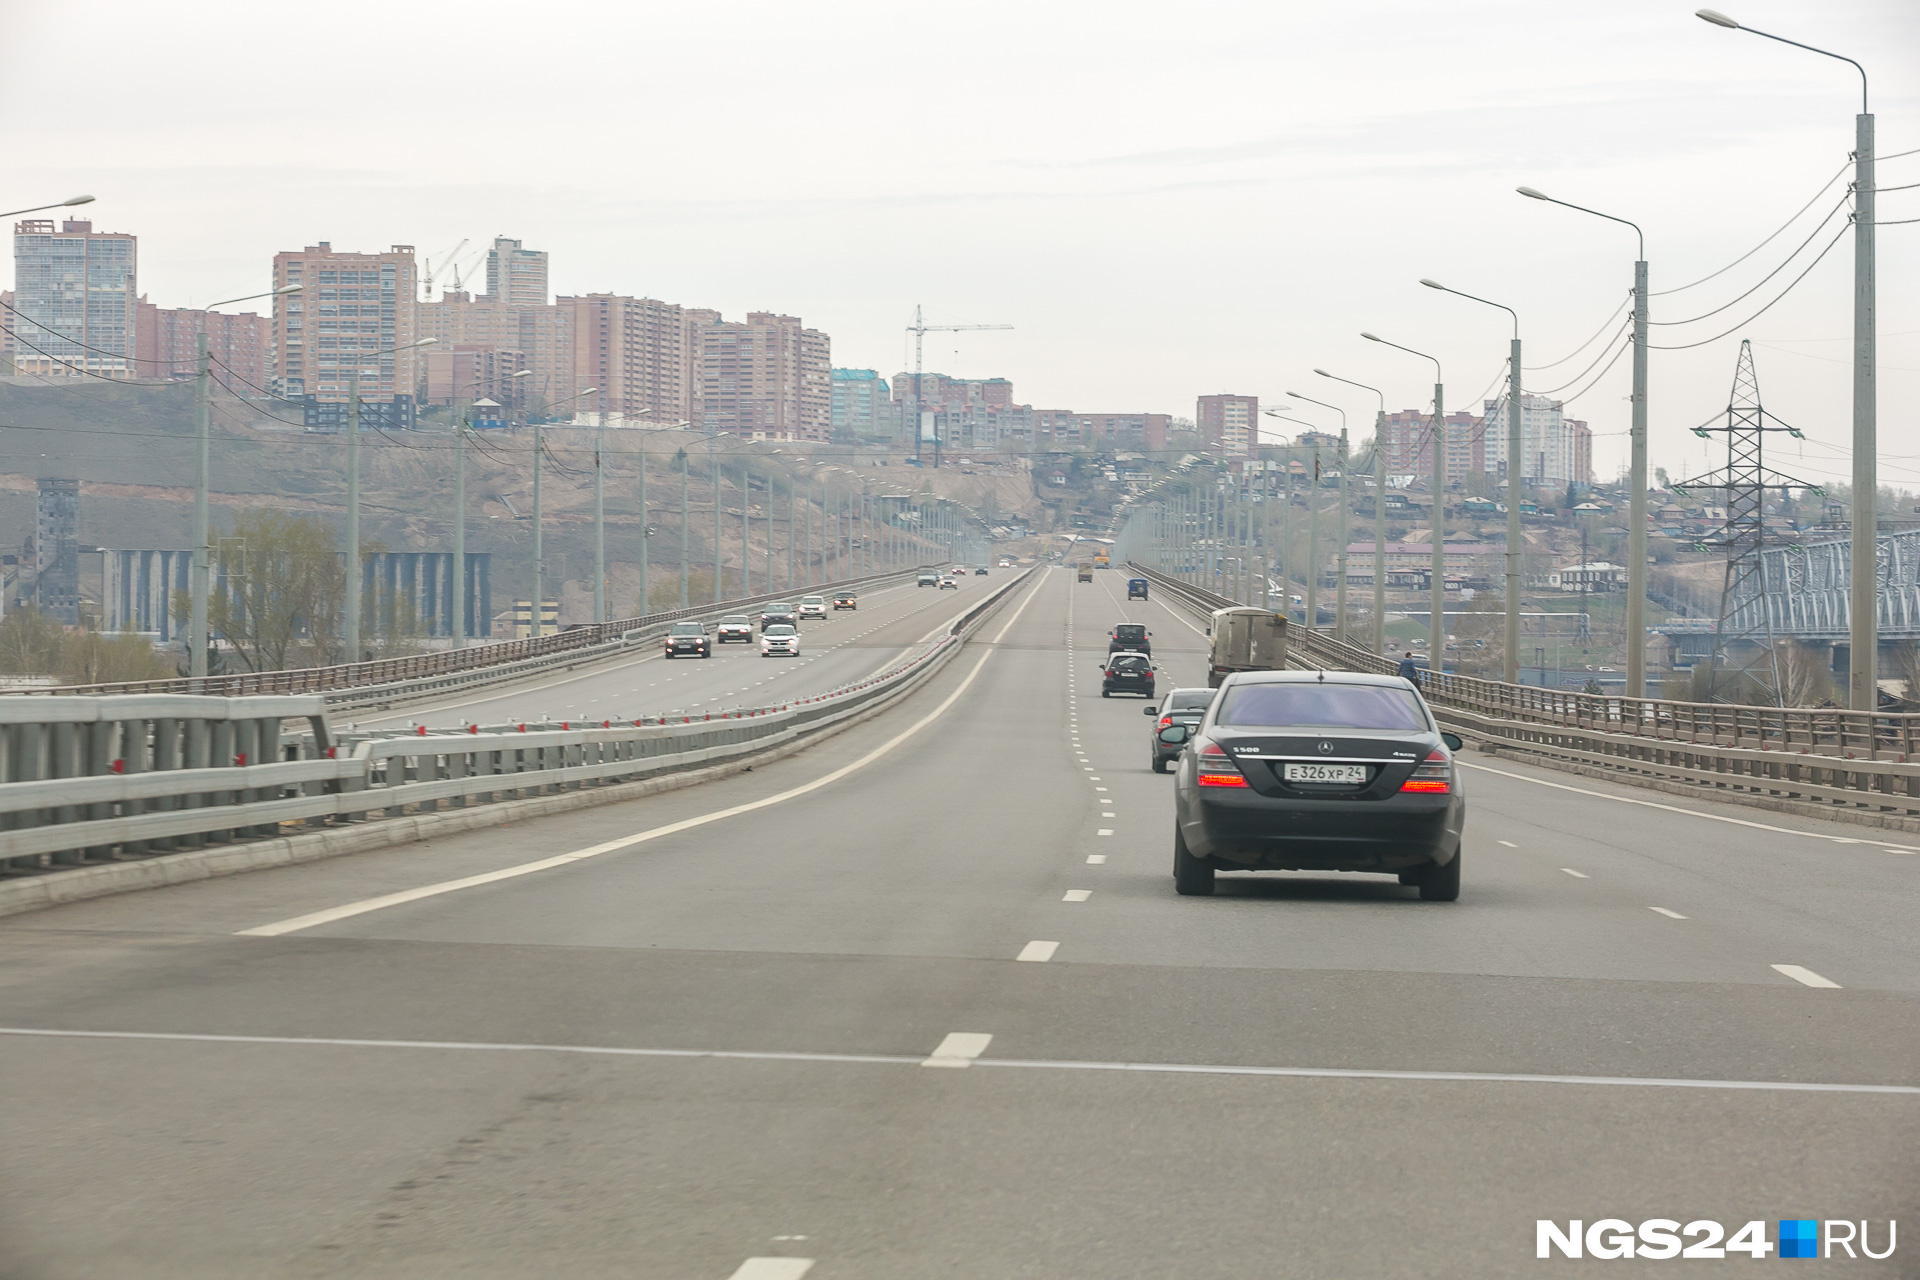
119 766
473 728
240 761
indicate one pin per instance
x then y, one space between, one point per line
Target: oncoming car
781 614
737 626
949 584
846 600
780 640
927 580
688 640
1317 771
813 606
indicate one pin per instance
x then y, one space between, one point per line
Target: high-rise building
1229 423
354 312
536 338
517 276
237 344
767 377
636 353
1554 450
56 550
75 291
862 406
1407 444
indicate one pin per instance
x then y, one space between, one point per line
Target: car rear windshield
1127 660
1322 706
1130 631
688 629
1189 701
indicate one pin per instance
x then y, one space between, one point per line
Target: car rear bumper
1245 829
1127 686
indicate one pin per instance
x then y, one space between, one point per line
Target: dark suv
1132 637
775 615
689 640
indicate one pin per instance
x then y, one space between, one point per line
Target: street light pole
1637 473
1379 511
1340 591
1437 587
1510 668
1863 568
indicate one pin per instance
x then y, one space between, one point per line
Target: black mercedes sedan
1318 771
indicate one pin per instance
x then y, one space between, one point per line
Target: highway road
845 647
943 1016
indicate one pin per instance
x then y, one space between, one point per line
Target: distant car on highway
1006 562
1126 673
778 615
1136 588
1132 636
949 584
927 580
979 571
737 626
813 606
780 640
688 640
1179 706
958 571
846 600
1317 771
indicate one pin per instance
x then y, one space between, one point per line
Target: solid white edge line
881 1059
1670 808
1805 976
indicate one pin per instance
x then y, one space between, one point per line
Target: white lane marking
331 914
1076 895
1086 768
1909 852
773 1268
1017 612
959 1049
1094 779
1670 808
1096 858
1805 977
1662 911
1510 844
1577 875
891 1059
1099 788
1038 951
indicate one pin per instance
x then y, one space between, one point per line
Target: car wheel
1106 693
1192 878
1159 764
1442 884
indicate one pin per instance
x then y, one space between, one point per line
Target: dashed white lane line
1805 977
1076 895
1662 911
1099 788
1577 875
959 1049
1510 844
1096 858
1104 831
773 1269
1038 951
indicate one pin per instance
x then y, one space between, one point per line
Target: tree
29 643
285 585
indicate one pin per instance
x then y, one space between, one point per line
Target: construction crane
427 275
920 329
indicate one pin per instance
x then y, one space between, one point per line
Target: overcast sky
1164 200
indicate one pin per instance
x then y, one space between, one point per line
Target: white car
780 640
813 607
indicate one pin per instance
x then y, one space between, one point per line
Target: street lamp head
73 200
1717 18
1434 284
1531 194
286 289
1370 337
524 373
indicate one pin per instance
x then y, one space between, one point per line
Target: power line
1590 341
1685 346
1824 187
1627 330
1763 279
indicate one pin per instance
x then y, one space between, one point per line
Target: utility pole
197 633
353 517
746 528
646 533
600 521
684 468
713 468
539 546
1437 592
1340 591
459 637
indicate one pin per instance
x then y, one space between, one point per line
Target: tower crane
920 329
427 275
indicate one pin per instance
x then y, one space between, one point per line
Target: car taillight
1433 775
1217 768
1165 721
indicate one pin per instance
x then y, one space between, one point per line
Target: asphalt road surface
942 1015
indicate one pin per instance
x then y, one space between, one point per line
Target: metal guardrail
92 779
428 672
1821 756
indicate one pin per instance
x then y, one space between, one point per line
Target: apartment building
862 406
74 296
517 275
1228 423
355 312
1407 443
767 377
1554 450
166 346
539 338
636 353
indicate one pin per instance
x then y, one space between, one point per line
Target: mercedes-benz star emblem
1325 747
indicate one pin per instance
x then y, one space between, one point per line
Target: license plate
1348 773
